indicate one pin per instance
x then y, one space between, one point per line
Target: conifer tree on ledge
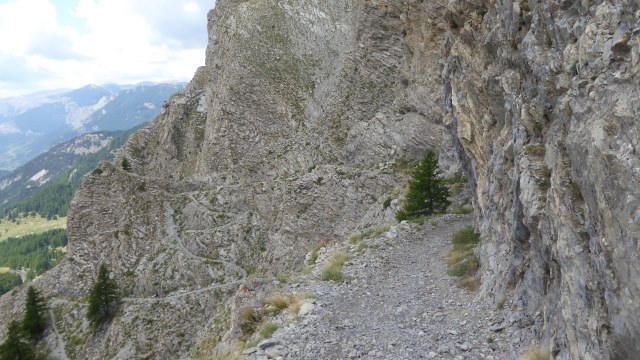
428 192
103 298
34 321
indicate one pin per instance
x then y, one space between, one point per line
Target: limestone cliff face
292 134
545 99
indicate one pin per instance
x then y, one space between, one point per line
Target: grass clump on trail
316 249
332 271
461 260
371 233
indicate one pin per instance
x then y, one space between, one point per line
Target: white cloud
8 128
191 7
121 41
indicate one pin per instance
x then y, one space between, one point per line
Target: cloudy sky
52 44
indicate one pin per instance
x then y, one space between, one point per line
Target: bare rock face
545 100
293 133
290 135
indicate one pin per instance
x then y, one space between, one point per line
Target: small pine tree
16 345
428 193
126 166
34 321
103 298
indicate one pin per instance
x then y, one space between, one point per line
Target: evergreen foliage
17 345
36 252
428 192
8 281
103 298
34 321
126 166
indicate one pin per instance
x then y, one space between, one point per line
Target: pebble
399 303
306 309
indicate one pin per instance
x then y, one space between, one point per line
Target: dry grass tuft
332 271
280 302
267 330
461 260
537 353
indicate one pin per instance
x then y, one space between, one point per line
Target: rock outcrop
545 100
297 128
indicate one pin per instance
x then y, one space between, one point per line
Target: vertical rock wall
545 99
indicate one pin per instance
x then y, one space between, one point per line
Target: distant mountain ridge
46 184
31 124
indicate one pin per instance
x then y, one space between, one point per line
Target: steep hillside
46 184
295 132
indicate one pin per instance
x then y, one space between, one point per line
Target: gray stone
265 344
306 309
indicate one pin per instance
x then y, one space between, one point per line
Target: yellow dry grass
536 353
4 270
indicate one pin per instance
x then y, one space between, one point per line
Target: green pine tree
16 346
126 166
103 298
428 193
35 320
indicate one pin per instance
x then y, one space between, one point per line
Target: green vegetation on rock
34 321
461 260
103 298
428 192
20 343
17 345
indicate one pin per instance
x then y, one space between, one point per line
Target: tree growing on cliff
126 166
34 321
103 298
428 192
16 345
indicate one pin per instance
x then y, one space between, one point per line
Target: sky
66 44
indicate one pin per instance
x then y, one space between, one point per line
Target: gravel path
58 351
398 303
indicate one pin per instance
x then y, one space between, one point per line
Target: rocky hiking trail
58 348
397 302
172 233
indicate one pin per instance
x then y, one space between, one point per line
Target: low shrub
461 260
249 320
387 203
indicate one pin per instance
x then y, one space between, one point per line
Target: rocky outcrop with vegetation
299 131
543 97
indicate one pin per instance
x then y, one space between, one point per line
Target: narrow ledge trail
397 303
172 233
59 346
